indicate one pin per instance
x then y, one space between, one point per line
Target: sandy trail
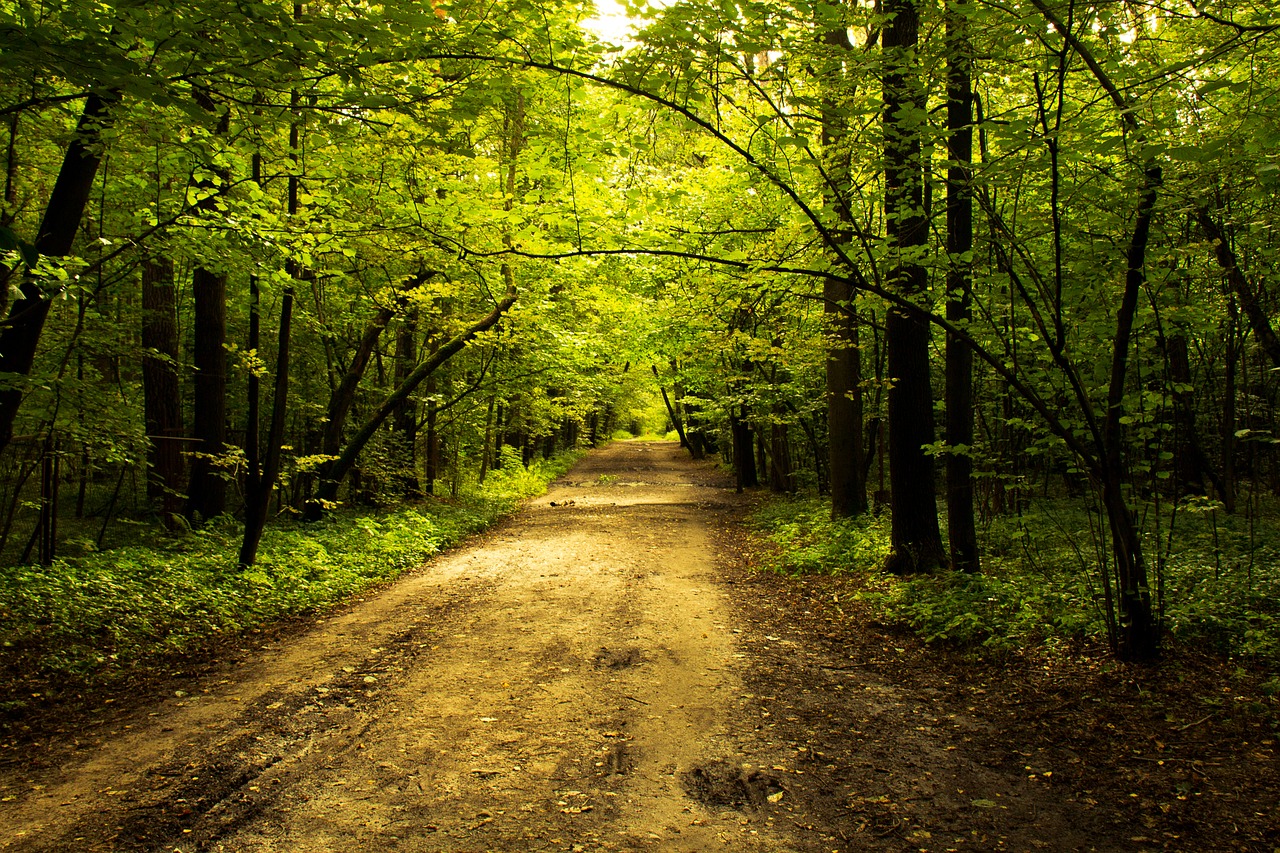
548 688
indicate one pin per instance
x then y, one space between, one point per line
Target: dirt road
596 674
549 688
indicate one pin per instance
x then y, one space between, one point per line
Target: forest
983 291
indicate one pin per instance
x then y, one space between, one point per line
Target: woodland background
988 287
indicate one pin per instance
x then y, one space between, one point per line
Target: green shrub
1219 581
809 541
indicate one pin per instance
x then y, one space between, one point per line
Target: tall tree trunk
916 538
404 420
1228 426
1138 632
487 451
207 492
258 502
162 402
253 385
846 449
433 444
961 526
845 446
744 460
21 333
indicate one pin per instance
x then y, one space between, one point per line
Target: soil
605 671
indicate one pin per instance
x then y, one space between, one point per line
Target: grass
1218 577
92 620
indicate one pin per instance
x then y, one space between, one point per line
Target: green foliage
808 540
95 618
1222 582
1220 587
996 611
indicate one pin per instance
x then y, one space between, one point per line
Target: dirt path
579 679
543 689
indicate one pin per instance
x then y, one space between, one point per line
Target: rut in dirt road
569 682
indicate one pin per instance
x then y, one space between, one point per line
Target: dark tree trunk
916 538
344 395
845 447
207 492
671 411
694 429
781 473
434 441
21 333
486 453
1138 635
162 402
1254 311
961 525
253 392
744 460
253 385
404 420
258 502
1228 426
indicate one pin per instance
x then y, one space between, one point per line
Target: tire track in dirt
548 688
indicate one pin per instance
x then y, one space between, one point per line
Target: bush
1219 583
809 541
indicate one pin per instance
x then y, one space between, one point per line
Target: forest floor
605 672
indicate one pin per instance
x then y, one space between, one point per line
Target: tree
917 541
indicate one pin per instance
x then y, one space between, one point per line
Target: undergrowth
1217 579
93 619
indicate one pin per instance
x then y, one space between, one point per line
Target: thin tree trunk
404 419
1139 637
486 453
1228 428
253 385
433 444
258 502
671 410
